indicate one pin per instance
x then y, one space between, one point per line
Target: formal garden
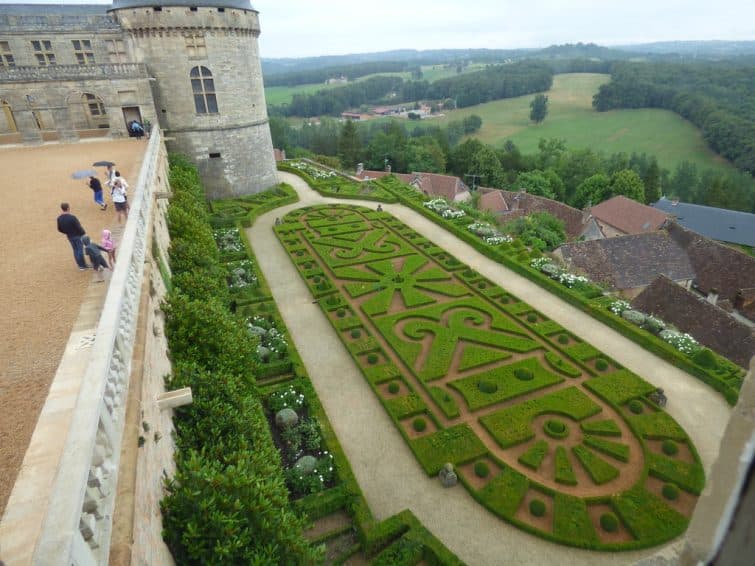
544 430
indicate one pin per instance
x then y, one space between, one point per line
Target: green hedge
614 449
563 470
600 471
457 444
533 457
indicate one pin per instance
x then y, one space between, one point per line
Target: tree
485 163
349 145
539 108
591 191
425 154
652 181
629 184
471 123
536 183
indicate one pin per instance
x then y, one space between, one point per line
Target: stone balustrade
75 524
73 72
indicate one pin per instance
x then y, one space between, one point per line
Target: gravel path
387 471
42 288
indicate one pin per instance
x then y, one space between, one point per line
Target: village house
434 185
621 216
731 226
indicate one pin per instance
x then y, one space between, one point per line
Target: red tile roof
493 201
444 186
628 216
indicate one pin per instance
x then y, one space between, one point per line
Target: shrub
601 364
537 507
523 374
340 313
635 317
669 447
356 333
487 386
532 317
481 285
481 469
505 300
609 523
705 358
635 406
372 359
563 339
332 300
670 491
419 424
393 387
556 428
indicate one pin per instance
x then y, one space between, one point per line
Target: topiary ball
532 317
523 374
609 522
669 447
601 364
556 429
487 386
482 285
537 508
563 339
393 387
340 313
356 333
481 469
419 424
705 358
372 359
670 491
505 300
635 406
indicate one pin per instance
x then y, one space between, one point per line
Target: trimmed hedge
535 455
563 470
599 470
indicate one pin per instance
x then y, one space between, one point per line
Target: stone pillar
713 519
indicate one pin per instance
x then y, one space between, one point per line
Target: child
95 257
109 246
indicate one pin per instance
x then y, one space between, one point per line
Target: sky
297 28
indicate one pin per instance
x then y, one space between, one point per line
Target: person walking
119 199
96 186
69 225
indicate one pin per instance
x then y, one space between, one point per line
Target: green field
277 95
571 117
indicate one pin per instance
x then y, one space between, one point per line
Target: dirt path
385 467
42 287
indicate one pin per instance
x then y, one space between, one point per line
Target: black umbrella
102 163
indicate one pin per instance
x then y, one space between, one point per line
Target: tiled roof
628 216
493 201
691 313
444 186
717 266
571 217
716 223
628 262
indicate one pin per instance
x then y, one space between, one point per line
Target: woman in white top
119 198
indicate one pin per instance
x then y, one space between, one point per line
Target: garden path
387 471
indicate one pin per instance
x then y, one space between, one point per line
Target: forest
718 98
351 72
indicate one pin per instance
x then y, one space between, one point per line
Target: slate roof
717 223
708 324
628 216
571 217
717 266
627 262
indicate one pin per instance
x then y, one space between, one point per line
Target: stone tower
204 59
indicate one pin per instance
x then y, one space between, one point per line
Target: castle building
70 72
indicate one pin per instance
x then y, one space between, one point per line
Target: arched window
203 88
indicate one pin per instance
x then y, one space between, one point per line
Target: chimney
387 167
713 296
674 201
587 213
515 204
360 168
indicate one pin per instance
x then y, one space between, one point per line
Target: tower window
196 46
82 48
203 87
214 156
6 57
116 51
43 52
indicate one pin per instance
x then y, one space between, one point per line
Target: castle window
94 105
82 48
196 46
203 88
116 51
6 57
43 52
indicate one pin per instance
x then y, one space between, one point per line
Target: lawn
571 117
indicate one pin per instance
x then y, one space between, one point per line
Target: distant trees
539 108
321 75
349 145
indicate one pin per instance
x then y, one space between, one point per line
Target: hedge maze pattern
544 430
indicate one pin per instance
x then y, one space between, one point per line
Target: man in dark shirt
69 225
